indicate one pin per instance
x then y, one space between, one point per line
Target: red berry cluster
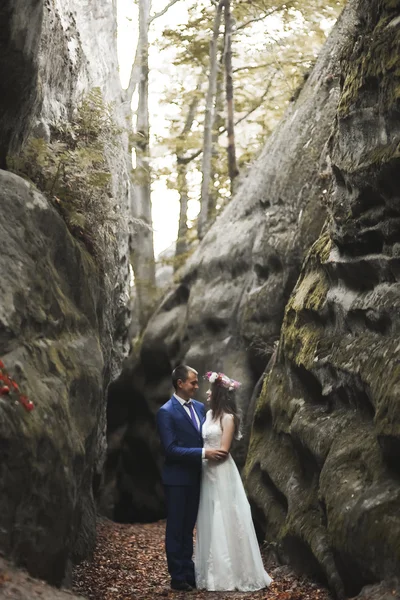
9 387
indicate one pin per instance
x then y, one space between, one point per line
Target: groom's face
187 389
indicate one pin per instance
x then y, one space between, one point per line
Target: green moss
301 345
371 359
300 333
177 262
376 64
72 170
381 155
252 454
321 249
311 293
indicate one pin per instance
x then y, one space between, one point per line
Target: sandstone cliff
19 44
63 307
323 464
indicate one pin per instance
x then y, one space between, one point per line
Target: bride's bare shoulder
227 417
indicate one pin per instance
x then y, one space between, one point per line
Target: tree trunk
143 251
181 244
232 164
208 124
217 125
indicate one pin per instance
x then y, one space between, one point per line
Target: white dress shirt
187 409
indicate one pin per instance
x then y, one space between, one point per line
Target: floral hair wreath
222 380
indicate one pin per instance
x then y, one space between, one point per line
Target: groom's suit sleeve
169 440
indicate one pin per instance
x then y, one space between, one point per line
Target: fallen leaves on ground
129 564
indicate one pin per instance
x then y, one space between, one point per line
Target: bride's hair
223 401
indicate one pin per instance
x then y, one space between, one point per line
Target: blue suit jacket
182 442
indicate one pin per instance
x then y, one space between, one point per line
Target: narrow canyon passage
129 564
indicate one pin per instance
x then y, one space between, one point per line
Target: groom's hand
215 454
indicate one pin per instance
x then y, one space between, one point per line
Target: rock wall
19 45
17 585
63 315
78 52
226 309
50 345
323 464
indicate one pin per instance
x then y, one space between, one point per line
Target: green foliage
274 47
375 62
73 172
177 261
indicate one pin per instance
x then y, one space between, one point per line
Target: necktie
193 416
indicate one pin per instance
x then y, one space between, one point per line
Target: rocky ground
129 564
16 584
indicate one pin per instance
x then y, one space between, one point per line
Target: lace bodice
212 432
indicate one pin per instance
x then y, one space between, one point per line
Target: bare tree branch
192 108
296 63
252 67
254 108
267 14
163 11
184 160
135 71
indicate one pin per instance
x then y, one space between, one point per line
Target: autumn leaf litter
129 564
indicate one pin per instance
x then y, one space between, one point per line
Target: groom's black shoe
181 586
192 583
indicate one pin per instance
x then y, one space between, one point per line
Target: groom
179 423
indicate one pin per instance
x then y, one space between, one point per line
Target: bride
227 556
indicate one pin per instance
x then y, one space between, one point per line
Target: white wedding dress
227 555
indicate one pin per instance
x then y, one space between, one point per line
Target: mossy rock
51 345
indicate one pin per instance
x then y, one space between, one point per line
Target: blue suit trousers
182 506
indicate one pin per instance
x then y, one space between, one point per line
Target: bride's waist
210 465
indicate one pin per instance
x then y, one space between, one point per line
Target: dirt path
129 564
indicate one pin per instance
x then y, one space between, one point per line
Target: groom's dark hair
181 372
